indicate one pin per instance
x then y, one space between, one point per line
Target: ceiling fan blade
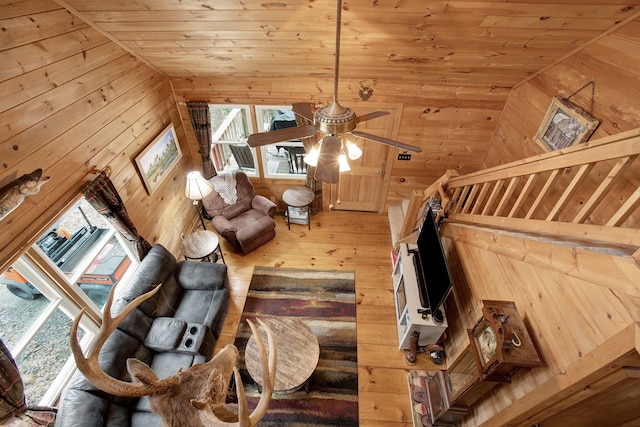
328 169
370 116
387 141
280 135
303 109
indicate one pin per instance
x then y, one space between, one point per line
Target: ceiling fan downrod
336 119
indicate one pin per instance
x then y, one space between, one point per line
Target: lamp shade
197 187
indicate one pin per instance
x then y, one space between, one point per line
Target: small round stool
299 198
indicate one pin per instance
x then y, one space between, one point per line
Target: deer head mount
191 398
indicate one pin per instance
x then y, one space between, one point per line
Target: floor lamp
197 189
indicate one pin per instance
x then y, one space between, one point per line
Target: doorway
364 187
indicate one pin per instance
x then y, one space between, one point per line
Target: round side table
297 350
299 198
201 244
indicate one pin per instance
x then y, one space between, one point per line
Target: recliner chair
246 224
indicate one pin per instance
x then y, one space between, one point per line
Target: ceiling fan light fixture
353 151
344 164
312 157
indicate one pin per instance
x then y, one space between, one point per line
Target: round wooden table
201 244
297 350
300 198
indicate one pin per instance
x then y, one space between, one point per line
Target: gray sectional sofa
176 328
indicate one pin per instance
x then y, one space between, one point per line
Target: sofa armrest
223 225
264 205
201 275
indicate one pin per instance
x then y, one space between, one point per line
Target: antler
208 408
89 365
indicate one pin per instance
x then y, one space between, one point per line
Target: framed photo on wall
158 158
564 125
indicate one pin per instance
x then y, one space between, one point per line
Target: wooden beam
617 272
585 232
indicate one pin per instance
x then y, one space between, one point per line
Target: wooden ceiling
465 42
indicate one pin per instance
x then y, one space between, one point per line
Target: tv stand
416 327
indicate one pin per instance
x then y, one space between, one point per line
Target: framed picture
159 158
564 125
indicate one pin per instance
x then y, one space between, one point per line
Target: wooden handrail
565 187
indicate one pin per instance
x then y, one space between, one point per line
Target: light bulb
344 165
353 150
312 157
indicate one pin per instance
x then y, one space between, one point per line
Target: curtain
103 196
12 401
201 122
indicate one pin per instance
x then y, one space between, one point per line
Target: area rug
325 301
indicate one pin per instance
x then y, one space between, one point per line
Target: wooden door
364 187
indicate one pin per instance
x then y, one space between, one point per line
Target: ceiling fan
333 120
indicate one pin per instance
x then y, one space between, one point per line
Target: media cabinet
409 313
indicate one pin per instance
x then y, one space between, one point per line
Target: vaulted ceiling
466 42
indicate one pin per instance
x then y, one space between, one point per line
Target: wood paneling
451 124
612 61
72 100
463 42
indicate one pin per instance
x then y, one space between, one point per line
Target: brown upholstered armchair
244 219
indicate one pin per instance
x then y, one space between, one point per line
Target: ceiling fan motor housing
335 119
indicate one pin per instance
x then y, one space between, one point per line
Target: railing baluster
547 185
492 197
625 210
582 173
483 193
528 186
604 187
506 196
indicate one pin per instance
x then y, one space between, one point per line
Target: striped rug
325 301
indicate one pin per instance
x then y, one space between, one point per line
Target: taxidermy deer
191 398
13 194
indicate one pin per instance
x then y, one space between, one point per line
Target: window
231 126
82 256
284 159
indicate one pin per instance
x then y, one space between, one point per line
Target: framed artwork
564 125
158 158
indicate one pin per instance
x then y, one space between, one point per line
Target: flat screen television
432 271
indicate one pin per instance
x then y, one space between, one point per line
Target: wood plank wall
72 100
452 124
570 318
613 61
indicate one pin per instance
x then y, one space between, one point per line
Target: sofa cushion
136 324
118 416
145 419
201 275
165 334
158 265
79 408
205 307
165 365
168 298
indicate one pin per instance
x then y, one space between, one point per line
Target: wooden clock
501 343
499 346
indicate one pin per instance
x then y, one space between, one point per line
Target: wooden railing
232 130
582 197
562 192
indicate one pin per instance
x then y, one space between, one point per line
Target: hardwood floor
341 240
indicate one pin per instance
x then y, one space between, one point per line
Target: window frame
65 294
259 109
250 129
